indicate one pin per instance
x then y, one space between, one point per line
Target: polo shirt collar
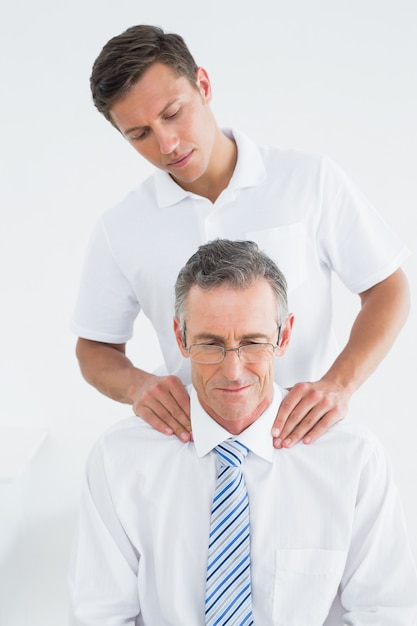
207 433
249 171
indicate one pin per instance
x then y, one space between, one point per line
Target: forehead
160 76
150 94
226 310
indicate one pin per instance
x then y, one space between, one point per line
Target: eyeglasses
249 353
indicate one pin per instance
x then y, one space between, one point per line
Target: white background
331 76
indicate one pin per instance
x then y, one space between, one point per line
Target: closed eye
142 135
252 343
172 115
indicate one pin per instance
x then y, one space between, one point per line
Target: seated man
226 529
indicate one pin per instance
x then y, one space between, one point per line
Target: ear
285 335
203 84
178 337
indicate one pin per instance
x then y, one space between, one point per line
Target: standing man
300 208
310 536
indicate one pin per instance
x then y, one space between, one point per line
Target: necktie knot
231 452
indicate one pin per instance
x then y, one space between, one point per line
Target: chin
230 415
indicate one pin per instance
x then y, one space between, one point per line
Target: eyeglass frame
224 350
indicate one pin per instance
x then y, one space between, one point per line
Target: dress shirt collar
249 171
207 433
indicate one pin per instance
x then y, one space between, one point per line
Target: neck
219 171
235 424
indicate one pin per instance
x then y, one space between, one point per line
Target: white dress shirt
300 208
328 544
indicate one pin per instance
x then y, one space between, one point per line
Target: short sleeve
107 305
354 240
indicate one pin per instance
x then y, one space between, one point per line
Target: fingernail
287 442
277 443
185 436
307 439
275 432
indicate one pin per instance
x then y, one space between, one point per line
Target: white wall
333 76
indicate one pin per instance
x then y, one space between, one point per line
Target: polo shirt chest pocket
287 246
306 583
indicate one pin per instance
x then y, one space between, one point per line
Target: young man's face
169 122
234 393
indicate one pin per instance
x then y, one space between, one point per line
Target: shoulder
353 440
289 160
347 443
129 443
131 431
122 222
298 164
141 197
272 155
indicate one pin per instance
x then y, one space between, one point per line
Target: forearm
310 408
162 401
107 368
383 313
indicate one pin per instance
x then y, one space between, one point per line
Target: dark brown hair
126 57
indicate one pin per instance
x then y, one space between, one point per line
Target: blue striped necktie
228 586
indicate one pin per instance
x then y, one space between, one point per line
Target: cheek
147 153
199 125
265 375
204 378
147 149
198 378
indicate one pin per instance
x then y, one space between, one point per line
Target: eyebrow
160 114
211 337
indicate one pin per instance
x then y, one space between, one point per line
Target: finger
174 414
287 407
179 393
311 427
153 420
166 406
163 422
177 402
161 410
291 436
322 426
308 411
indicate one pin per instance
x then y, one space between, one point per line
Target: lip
182 161
233 390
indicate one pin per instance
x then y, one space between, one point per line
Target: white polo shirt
328 543
299 207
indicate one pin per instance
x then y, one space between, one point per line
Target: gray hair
238 264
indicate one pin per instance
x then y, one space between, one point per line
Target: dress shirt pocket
287 246
306 583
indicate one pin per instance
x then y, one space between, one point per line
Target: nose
231 365
168 141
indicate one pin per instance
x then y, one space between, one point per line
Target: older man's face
234 393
